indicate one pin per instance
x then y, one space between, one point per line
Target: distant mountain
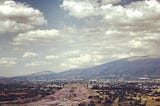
130 68
1 77
135 67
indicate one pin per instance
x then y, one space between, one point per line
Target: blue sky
59 35
55 15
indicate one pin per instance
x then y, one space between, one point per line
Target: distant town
107 92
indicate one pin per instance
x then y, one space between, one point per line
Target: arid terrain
76 93
72 94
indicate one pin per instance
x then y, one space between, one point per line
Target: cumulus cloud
123 55
80 8
29 55
110 32
52 57
6 61
73 53
139 20
134 13
16 17
119 31
82 59
37 63
68 66
36 36
86 8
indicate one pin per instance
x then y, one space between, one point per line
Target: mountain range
129 68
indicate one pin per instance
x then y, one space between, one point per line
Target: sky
59 35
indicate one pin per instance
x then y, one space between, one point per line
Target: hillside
130 68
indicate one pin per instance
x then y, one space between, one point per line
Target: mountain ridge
141 67
137 67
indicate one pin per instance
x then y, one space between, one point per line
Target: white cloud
137 13
68 66
73 53
16 17
29 55
82 59
121 56
37 63
135 43
80 8
134 17
36 36
5 61
86 8
119 29
52 57
110 32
